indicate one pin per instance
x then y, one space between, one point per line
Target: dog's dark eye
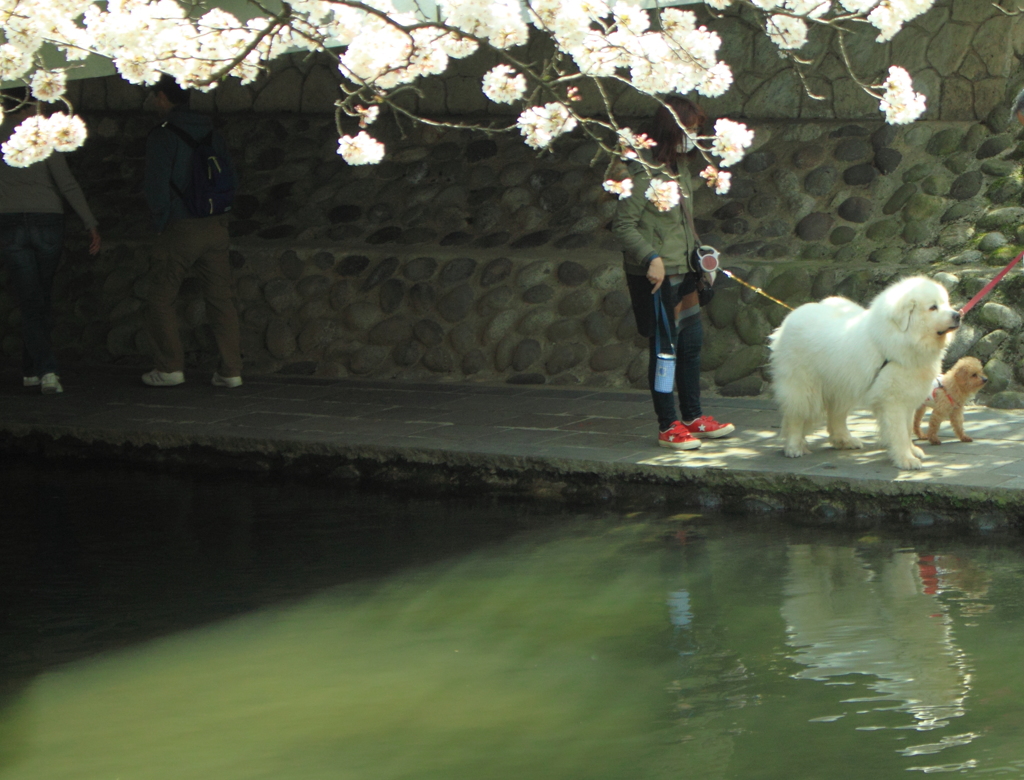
933 308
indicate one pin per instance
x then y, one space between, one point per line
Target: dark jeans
689 335
31 246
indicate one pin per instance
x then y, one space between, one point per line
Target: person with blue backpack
189 187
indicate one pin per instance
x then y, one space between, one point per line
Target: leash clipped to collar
988 287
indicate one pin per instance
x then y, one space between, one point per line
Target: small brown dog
956 387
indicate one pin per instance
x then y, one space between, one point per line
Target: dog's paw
917 451
796 450
935 441
846 443
908 463
965 437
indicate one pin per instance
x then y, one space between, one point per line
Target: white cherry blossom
361 149
503 85
663 193
624 188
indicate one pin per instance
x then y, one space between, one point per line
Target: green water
163 627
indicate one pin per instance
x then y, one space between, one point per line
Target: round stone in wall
899 199
774 228
852 149
855 210
577 303
391 294
419 268
457 270
539 293
808 156
495 271
281 295
821 180
407 354
966 185
887 160
997 144
575 241
280 339
366 359
945 142
323 260
572 274
758 161
884 136
860 175
473 362
422 297
843 234
563 357
526 353
385 269
428 333
498 299
598 327
728 211
736 226
439 359
814 226
533 240
615 303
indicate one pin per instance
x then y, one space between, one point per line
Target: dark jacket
643 230
169 159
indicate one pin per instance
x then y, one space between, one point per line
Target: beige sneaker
226 381
50 384
157 378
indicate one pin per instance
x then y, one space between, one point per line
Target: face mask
685 145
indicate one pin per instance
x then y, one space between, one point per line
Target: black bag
211 188
705 292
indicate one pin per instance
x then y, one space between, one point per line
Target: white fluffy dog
835 356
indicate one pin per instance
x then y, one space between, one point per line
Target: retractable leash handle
665 367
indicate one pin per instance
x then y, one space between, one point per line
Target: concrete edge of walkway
810 500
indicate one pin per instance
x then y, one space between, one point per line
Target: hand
656 273
94 241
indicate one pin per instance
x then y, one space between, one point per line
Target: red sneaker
677 438
707 427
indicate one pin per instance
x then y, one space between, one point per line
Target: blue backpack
211 189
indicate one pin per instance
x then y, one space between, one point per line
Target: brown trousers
200 245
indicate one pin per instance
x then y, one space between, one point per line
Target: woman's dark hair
172 90
667 133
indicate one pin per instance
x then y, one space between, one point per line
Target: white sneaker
157 378
50 384
30 381
225 381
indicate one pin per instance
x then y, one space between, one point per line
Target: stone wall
466 258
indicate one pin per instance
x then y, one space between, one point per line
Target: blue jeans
31 246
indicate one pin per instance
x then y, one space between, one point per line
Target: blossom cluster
37 137
900 103
380 49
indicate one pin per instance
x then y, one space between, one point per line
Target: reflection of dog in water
956 387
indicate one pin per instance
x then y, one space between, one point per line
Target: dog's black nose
956 316
984 379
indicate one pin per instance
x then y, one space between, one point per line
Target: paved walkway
571 430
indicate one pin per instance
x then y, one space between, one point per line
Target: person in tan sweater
32 240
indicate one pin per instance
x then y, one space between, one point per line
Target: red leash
988 287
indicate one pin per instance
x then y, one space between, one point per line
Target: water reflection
243 632
845 616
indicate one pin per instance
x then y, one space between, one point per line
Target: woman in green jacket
656 244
